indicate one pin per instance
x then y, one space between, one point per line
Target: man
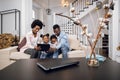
63 44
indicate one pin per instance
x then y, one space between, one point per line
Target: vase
93 62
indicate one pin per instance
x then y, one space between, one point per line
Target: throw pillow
21 44
74 42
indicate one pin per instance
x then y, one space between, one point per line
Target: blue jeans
45 55
64 50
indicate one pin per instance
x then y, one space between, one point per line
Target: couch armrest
13 49
4 56
19 55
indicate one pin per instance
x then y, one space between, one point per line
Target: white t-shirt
31 41
53 45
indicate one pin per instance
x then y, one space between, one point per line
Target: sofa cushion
19 55
74 42
21 44
75 54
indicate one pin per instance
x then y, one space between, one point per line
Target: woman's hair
37 23
53 37
42 36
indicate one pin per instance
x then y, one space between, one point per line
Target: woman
32 39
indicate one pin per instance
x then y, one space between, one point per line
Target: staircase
105 45
82 8
87 15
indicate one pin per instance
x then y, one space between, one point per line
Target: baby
53 40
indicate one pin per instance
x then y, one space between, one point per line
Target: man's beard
58 34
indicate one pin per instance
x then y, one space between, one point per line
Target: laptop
48 65
44 47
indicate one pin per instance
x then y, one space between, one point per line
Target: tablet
44 47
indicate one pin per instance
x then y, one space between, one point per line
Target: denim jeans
64 50
43 55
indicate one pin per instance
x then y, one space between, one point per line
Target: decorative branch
103 22
66 17
83 28
76 22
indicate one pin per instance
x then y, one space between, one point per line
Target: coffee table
28 70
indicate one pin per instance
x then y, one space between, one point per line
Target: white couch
78 50
9 55
4 57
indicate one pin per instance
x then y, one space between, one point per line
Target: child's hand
52 49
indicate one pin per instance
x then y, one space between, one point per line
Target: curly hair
42 36
53 37
37 23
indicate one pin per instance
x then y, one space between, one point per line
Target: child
53 44
53 40
45 40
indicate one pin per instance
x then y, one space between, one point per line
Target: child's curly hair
53 37
42 36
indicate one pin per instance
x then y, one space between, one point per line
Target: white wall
9 19
40 13
38 10
92 20
25 6
26 16
8 22
0 24
49 24
114 31
6 4
0 18
119 23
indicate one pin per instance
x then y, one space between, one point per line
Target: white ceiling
55 5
